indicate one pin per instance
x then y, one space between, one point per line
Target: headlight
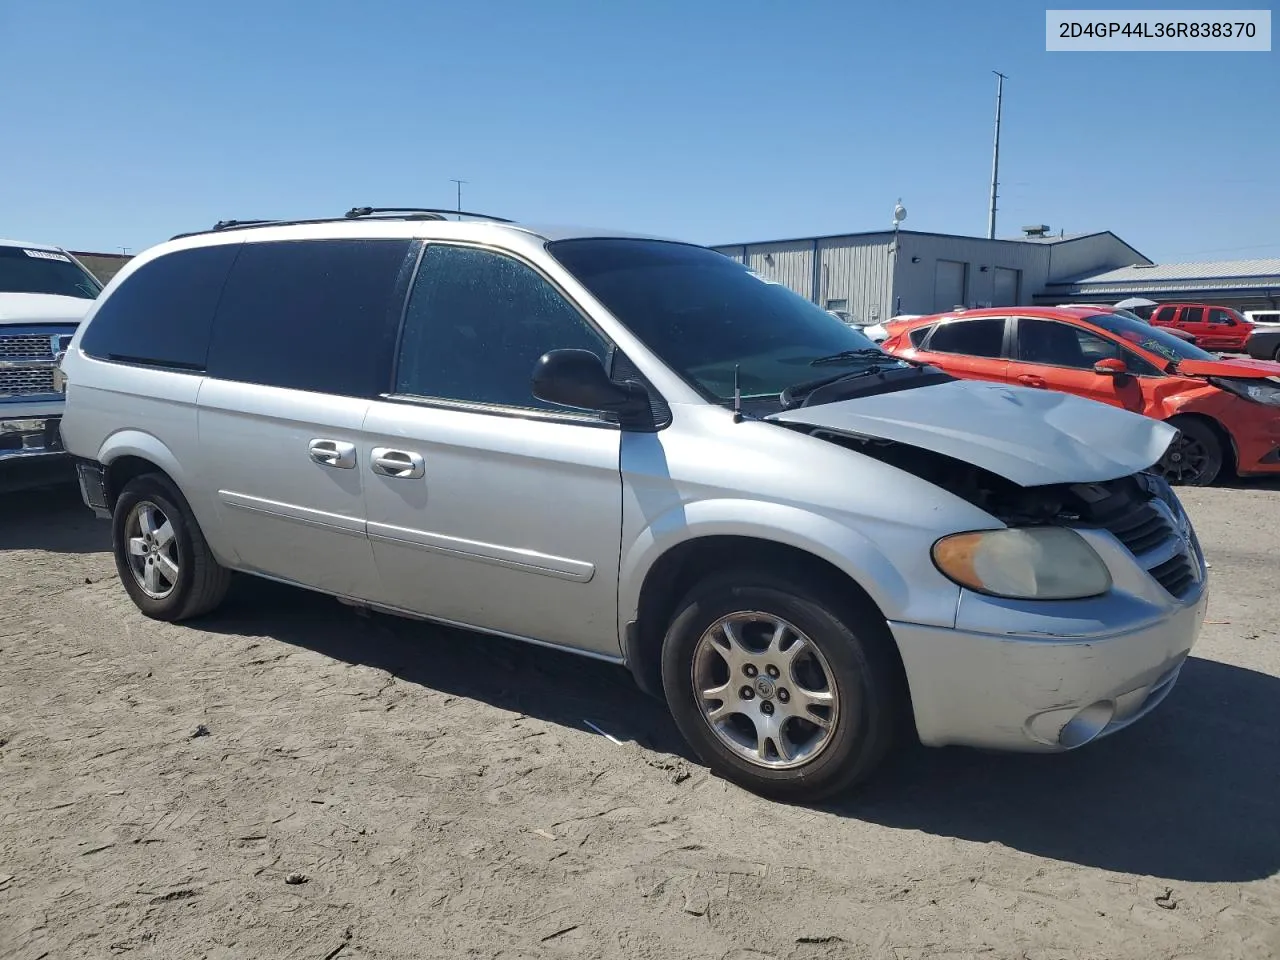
1259 391
1026 563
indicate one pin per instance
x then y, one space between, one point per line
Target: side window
983 337
477 323
1055 344
1192 315
917 335
1222 317
317 315
161 315
1164 314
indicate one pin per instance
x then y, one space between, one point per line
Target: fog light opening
1087 724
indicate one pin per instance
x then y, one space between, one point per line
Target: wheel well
678 570
1230 456
123 469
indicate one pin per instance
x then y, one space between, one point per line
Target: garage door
1004 287
949 285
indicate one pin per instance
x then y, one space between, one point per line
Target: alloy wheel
765 690
1185 460
152 550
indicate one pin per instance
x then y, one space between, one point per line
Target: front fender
821 535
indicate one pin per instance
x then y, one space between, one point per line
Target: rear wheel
788 690
1195 458
161 555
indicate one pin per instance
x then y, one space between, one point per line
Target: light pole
899 214
995 157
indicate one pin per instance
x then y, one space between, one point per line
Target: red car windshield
1150 338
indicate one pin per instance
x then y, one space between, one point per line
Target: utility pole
995 158
459 183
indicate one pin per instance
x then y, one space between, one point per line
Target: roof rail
355 213
415 213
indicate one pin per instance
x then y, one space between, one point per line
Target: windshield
706 315
1150 338
24 270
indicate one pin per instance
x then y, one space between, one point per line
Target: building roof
1208 270
862 233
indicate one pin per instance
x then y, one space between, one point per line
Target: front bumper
1037 692
1257 439
27 437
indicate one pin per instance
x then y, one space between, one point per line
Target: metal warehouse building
873 276
1243 284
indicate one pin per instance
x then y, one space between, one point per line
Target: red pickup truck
1215 328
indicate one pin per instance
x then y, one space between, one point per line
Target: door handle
1027 380
333 453
401 464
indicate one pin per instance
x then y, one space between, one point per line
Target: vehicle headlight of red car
1259 391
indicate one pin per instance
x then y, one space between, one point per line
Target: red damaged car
1227 411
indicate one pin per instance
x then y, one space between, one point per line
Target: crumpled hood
42 308
1229 368
1032 437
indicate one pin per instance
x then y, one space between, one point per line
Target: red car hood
1253 369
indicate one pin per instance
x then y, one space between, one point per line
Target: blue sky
126 122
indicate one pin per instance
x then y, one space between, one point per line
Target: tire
1276 357
855 649
1195 458
191 583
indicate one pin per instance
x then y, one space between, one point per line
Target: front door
1061 356
486 506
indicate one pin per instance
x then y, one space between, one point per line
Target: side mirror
577 378
1110 367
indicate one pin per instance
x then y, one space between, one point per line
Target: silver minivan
637 450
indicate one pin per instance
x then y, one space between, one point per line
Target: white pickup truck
44 294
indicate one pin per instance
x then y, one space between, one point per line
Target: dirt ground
291 780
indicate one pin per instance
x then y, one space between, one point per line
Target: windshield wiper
797 391
860 354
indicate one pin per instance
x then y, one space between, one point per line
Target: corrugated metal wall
790 264
857 270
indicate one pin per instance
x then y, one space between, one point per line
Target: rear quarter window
918 335
315 315
161 314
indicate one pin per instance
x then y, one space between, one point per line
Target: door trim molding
337 522
527 561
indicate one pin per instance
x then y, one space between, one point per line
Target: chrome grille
24 383
26 347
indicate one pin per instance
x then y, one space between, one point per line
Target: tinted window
24 270
983 337
1217 315
1164 314
316 315
478 322
1192 315
161 313
706 316
1057 344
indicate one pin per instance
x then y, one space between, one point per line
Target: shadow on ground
1187 794
51 518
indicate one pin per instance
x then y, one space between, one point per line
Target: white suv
44 294
636 450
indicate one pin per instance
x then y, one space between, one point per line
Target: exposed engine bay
1074 504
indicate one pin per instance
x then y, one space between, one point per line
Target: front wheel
1195 457
786 690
